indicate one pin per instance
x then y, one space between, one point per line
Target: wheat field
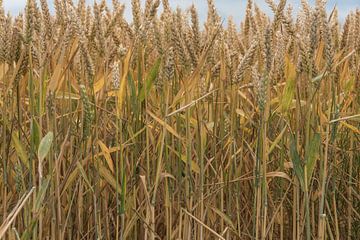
167 127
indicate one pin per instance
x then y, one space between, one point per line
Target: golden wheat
164 127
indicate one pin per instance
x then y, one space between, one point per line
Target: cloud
14 6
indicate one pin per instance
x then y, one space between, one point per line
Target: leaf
20 150
45 145
289 90
194 166
225 217
72 177
98 85
67 96
246 98
318 78
279 175
277 140
57 78
109 178
299 171
349 85
35 132
121 92
351 127
83 174
28 233
133 94
112 93
241 113
203 136
150 80
41 194
106 152
311 155
164 124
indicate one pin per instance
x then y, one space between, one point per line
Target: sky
234 8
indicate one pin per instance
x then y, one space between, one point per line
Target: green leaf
133 97
318 78
35 133
27 234
295 158
41 194
150 80
311 155
45 145
20 150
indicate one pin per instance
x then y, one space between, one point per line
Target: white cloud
14 6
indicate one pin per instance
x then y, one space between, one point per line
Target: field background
164 127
